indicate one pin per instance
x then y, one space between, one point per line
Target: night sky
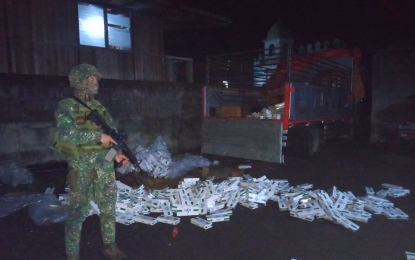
368 24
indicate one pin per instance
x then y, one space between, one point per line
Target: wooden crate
233 111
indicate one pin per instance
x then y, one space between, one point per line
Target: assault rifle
119 137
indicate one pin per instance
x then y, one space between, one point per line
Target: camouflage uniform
91 177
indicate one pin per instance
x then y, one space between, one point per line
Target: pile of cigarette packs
210 202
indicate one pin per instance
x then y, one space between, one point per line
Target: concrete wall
144 109
393 85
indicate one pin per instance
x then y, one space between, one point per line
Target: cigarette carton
216 207
382 193
373 209
410 256
250 205
281 203
217 218
387 186
182 210
341 201
369 191
401 214
201 223
122 187
354 216
222 212
166 207
168 220
203 207
145 220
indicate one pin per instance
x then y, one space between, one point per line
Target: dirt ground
264 233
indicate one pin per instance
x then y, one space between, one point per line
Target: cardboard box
232 111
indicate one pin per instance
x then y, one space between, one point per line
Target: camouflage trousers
91 178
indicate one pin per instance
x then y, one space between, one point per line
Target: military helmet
81 72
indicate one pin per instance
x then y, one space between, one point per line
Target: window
104 27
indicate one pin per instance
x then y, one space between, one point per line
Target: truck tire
313 141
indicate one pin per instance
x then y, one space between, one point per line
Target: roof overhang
175 16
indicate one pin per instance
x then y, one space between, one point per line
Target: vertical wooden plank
37 20
20 33
4 64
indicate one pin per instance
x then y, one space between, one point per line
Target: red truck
312 94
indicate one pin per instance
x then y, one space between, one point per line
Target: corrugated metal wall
41 37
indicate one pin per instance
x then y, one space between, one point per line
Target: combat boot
112 252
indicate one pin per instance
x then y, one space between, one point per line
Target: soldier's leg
106 202
80 179
78 209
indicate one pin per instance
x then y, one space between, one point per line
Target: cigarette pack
175 199
123 220
410 256
182 210
201 223
281 203
145 220
393 190
165 206
401 214
307 212
341 201
157 209
203 208
191 180
354 216
308 218
216 207
168 220
345 222
369 191
217 218
250 205
223 212
382 193
185 197
387 186
122 187
305 186
389 213
234 199
373 209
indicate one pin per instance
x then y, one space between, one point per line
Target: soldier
90 177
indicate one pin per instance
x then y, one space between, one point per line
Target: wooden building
49 37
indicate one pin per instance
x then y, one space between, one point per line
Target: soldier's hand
121 157
106 140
